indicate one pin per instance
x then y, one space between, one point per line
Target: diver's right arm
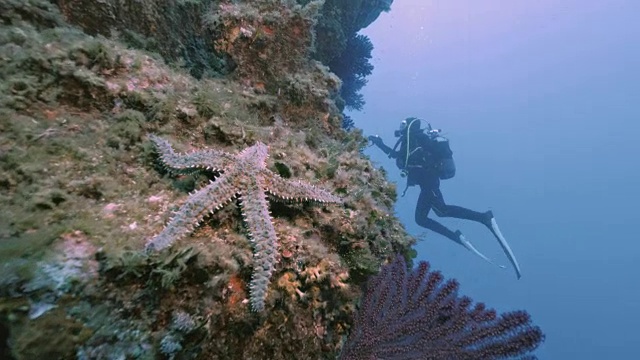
377 140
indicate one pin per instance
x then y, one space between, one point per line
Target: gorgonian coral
415 314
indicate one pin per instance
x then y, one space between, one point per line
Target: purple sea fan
414 314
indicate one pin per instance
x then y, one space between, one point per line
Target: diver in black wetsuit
425 158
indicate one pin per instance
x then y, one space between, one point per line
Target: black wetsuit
431 198
421 171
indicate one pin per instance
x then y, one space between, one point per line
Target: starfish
244 176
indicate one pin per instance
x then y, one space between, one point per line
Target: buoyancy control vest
423 154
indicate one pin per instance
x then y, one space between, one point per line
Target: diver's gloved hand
375 139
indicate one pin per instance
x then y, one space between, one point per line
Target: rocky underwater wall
83 188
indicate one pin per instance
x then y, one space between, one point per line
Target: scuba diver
425 158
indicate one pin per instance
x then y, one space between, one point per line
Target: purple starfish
245 176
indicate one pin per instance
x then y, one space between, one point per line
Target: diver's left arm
377 140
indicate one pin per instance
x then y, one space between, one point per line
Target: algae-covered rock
82 189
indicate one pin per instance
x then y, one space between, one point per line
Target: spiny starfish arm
296 190
265 244
202 159
257 154
198 205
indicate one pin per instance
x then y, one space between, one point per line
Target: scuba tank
445 165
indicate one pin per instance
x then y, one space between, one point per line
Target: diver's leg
423 206
486 218
439 228
425 201
443 210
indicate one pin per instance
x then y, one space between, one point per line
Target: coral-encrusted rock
172 28
266 39
68 266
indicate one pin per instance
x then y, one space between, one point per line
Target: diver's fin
464 242
493 226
